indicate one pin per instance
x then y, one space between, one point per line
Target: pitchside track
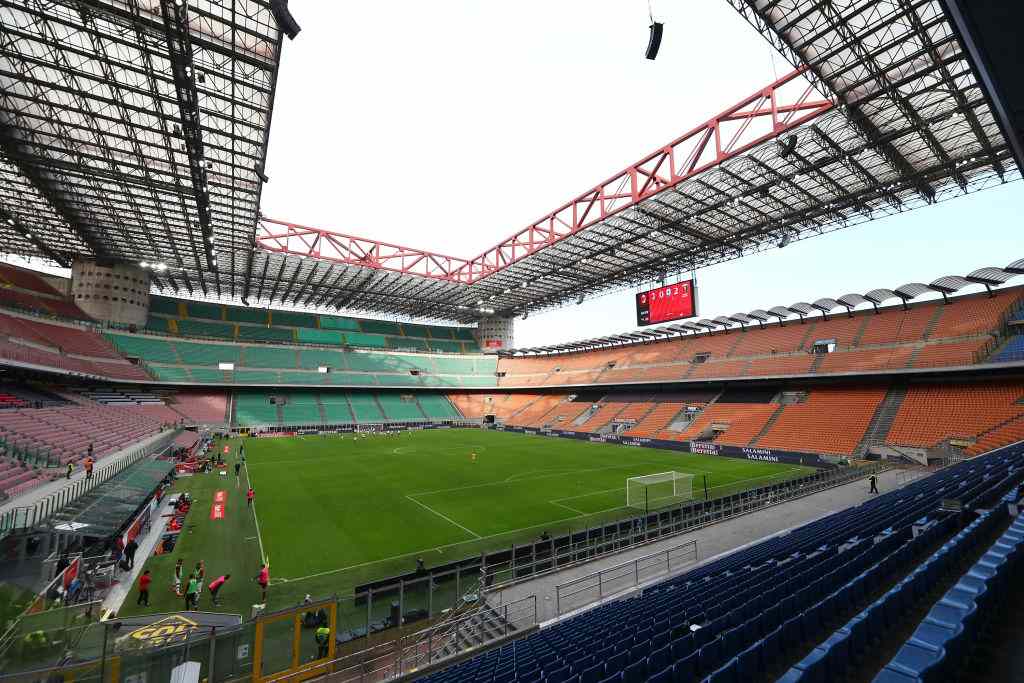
334 512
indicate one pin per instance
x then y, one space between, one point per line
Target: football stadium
235 447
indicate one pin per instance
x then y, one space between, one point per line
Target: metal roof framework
910 126
131 131
946 285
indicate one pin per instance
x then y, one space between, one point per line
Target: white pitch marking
444 517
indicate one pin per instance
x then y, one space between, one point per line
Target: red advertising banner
492 344
70 572
218 507
671 302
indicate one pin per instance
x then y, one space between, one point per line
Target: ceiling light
144 264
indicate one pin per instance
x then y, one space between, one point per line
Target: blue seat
685 670
663 676
558 675
578 664
748 663
533 676
617 663
593 674
711 656
660 658
682 647
725 674
635 672
640 651
614 678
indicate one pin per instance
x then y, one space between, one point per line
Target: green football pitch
332 512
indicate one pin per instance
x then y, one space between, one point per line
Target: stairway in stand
767 425
320 409
881 421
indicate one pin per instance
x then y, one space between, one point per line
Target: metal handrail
611 575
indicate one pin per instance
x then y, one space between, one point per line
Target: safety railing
511 566
585 590
415 651
28 516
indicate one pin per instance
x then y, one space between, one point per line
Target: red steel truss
770 112
289 238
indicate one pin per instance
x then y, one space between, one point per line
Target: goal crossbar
650 491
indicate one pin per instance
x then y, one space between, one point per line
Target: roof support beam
177 30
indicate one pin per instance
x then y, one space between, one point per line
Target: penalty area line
444 517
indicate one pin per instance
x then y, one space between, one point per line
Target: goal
652 491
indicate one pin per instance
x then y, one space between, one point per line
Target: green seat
330 322
255 409
156 324
478 381
336 408
201 309
486 365
437 406
471 347
166 373
147 348
193 353
301 408
268 357
164 306
303 378
370 341
384 362
396 407
441 381
398 380
365 408
242 314
455 366
311 359
407 344
411 330
445 346
441 332
256 377
380 327
292 319
260 333
464 333
352 379
308 335
205 328
207 375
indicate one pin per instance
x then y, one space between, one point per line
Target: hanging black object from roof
654 42
284 18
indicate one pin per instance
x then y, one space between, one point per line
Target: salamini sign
698 447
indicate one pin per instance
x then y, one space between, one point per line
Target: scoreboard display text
671 302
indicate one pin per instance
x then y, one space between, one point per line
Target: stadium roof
131 131
949 284
884 113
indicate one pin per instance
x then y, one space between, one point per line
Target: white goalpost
652 491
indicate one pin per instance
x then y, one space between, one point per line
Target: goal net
653 491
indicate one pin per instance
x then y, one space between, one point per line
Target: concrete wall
496 334
117 293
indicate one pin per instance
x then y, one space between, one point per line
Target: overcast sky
451 125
